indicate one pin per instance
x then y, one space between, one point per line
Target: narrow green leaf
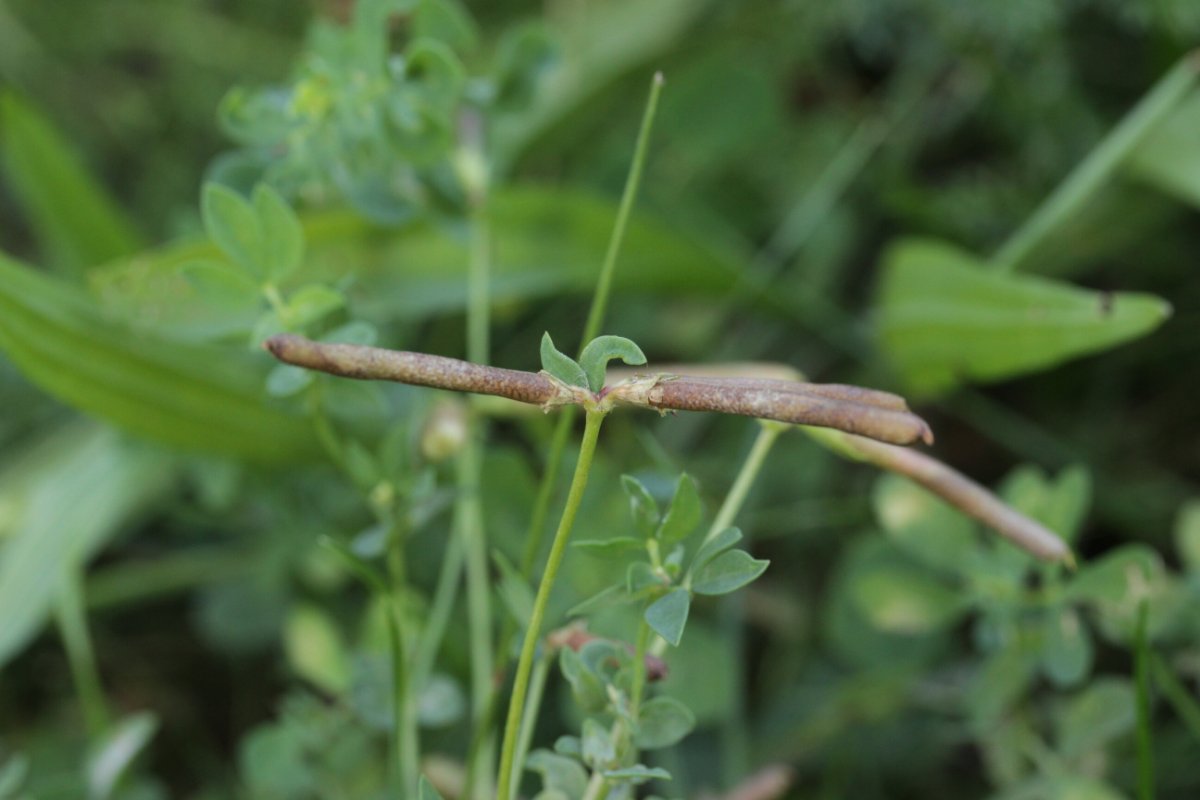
617 547
425 790
232 224
561 366
599 351
638 774
191 396
115 753
641 505
76 222
668 615
684 513
662 722
728 572
85 493
282 244
945 319
715 546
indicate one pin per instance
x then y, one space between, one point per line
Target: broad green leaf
1097 715
668 615
599 351
905 600
558 772
76 223
713 547
728 572
1066 647
282 238
232 224
115 753
662 722
560 365
425 790
190 396
641 505
684 514
315 649
945 319
84 493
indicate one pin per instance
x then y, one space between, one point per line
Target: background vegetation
987 206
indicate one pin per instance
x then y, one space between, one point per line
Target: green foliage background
987 206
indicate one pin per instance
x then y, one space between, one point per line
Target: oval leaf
662 722
561 366
728 572
668 614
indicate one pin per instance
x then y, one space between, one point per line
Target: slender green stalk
1145 743
72 627
583 466
537 690
537 519
641 647
1087 178
768 433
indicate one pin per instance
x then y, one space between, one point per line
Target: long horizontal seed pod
865 412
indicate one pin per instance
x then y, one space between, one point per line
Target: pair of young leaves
715 568
588 372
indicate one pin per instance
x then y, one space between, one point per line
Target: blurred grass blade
199 398
1168 158
76 223
946 320
1090 177
77 501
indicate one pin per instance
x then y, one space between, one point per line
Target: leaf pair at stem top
588 372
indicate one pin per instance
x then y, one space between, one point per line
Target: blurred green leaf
945 319
638 774
904 600
232 224
81 497
668 614
642 506
1168 157
1095 716
1187 535
1067 651
924 526
310 303
598 747
77 224
115 753
200 398
617 547
1120 577
713 547
728 572
684 513
425 790
586 688
662 722
315 649
558 772
282 238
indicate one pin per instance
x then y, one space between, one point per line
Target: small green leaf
662 722
668 615
586 687
561 366
610 596
905 600
638 774
684 513
1119 577
285 380
1066 648
282 238
315 650
598 747
310 303
1098 714
569 746
558 772
715 546
599 351
641 505
233 226
728 572
641 576
425 790
617 547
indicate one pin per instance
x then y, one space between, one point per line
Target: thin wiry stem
865 412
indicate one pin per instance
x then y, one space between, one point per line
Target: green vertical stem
1145 743
72 628
537 690
1100 165
469 506
404 701
583 466
537 519
638 689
